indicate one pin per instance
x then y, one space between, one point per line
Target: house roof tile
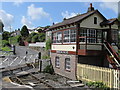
75 19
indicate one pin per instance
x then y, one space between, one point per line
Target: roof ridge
80 14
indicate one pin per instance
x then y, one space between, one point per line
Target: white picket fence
108 76
116 75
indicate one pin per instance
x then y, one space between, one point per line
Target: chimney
53 23
91 8
64 19
91 5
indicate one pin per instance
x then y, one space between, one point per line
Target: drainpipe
77 46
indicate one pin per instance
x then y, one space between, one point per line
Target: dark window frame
57 62
67 64
95 20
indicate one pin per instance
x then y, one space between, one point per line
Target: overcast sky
34 14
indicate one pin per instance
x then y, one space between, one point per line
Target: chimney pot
53 23
91 8
90 4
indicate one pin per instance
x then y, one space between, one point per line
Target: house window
90 33
66 36
95 20
59 37
115 35
54 37
83 33
57 62
67 63
91 36
72 35
99 36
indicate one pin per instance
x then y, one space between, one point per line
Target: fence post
40 61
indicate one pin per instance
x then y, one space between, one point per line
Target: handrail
114 52
111 54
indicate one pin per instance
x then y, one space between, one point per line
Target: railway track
31 80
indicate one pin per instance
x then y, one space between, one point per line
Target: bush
5 43
97 85
35 39
48 44
29 39
20 40
5 35
49 69
14 40
41 37
46 57
6 49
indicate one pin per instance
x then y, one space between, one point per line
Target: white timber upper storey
90 28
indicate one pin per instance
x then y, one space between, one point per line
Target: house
87 38
37 30
15 33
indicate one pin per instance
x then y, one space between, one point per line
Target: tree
24 31
41 37
40 30
48 44
29 39
5 35
20 41
35 39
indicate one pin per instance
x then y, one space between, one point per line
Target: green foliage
49 69
5 35
14 40
48 44
46 27
97 85
45 57
41 37
5 43
35 39
29 39
6 49
20 40
24 31
39 30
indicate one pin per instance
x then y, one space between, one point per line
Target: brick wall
61 71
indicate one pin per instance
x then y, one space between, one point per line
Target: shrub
41 37
5 35
48 44
20 40
49 69
14 40
45 57
35 38
5 43
6 49
97 85
29 39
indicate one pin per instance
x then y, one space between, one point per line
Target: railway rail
31 80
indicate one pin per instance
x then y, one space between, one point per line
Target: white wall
38 44
64 47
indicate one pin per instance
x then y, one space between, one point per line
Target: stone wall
61 70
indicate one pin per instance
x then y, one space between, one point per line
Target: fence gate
116 80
